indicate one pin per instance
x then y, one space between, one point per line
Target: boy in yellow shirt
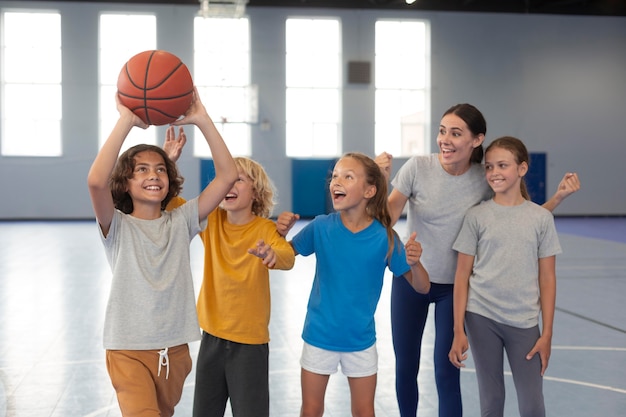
241 244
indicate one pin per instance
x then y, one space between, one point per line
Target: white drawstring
164 360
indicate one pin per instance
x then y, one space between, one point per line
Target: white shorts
353 364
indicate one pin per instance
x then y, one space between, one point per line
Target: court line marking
590 320
566 381
598 348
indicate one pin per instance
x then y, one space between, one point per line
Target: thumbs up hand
413 250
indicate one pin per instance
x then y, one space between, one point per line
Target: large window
31 84
313 87
402 88
222 76
121 37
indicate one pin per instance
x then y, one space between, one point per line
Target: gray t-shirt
152 301
437 203
507 242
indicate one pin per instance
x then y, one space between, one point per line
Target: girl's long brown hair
377 205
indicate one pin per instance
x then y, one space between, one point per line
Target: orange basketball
156 86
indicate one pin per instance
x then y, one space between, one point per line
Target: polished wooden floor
54 285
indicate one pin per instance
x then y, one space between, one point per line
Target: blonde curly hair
262 186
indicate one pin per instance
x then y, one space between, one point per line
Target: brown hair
520 153
377 205
475 122
123 171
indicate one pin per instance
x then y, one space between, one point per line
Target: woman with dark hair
439 189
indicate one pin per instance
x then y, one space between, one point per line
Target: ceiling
564 7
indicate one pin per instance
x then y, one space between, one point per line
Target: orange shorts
148 383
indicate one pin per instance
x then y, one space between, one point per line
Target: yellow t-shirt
234 300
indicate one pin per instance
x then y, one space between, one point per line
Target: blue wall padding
310 179
207 172
536 177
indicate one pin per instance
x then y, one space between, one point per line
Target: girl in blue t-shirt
353 247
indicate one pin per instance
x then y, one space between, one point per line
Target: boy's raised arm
225 168
103 164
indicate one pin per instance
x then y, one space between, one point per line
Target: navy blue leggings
409 311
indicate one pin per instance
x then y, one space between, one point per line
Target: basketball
156 86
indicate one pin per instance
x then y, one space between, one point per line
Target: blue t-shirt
348 281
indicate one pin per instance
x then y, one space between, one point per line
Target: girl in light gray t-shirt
505 278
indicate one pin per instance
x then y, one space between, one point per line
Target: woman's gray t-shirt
437 203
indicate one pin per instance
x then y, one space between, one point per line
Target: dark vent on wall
359 72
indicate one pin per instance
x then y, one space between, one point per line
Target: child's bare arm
103 164
460 345
547 298
225 168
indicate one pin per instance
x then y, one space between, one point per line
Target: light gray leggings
488 339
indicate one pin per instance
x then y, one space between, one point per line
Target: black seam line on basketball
145 85
128 77
589 319
132 82
164 78
163 113
155 111
155 98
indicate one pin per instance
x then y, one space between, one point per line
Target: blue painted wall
310 179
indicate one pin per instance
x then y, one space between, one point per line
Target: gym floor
54 286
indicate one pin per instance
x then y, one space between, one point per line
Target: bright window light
222 75
121 37
313 94
402 88
31 67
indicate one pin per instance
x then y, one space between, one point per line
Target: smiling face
504 174
150 182
241 195
348 187
456 143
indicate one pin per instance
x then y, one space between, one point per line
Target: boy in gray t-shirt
151 316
